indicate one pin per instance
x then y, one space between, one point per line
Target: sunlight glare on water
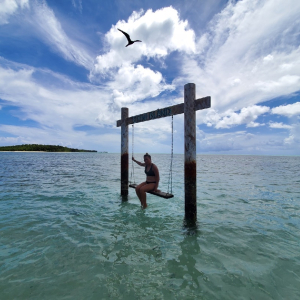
65 232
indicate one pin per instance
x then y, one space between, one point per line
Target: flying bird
130 42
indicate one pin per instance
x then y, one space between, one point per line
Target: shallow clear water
65 233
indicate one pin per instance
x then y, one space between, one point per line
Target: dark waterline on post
124 174
124 152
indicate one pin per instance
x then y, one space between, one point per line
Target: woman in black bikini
152 180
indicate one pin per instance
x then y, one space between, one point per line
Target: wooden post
190 173
124 152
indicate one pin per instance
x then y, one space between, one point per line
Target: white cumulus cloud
289 110
280 125
230 118
161 31
132 83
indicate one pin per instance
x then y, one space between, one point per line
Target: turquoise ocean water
65 232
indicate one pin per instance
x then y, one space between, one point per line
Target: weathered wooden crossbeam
177 109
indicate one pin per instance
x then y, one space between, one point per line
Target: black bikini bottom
150 182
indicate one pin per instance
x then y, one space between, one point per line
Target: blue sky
65 73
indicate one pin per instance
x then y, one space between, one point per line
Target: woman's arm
156 172
139 163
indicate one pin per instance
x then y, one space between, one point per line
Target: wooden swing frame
188 108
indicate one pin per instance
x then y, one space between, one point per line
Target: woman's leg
143 189
138 190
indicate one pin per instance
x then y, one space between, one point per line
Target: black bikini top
150 172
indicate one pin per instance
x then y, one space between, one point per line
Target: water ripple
66 233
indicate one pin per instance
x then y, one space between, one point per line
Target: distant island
42 148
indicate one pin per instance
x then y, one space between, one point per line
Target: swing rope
132 164
171 162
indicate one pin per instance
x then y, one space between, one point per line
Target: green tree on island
45 148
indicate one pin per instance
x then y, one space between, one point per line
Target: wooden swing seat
159 194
